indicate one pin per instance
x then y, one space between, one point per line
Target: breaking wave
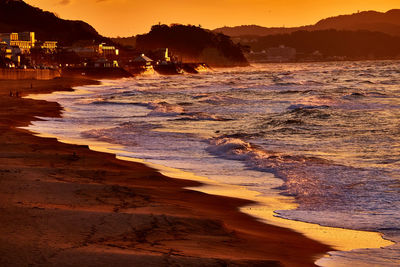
308 178
164 109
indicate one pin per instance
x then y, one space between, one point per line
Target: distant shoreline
322 61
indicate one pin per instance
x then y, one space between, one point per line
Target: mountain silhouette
388 23
330 43
17 16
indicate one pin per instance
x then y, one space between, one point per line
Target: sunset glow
199 133
126 18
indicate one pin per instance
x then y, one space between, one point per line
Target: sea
324 135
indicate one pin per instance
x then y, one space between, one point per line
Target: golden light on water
339 238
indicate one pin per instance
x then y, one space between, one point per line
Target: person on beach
11 93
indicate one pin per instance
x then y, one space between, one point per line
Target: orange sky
129 17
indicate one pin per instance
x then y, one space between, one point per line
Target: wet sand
66 205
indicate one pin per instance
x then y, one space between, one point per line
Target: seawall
28 74
96 73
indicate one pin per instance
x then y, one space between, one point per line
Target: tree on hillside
192 42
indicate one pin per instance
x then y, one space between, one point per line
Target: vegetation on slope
193 44
17 16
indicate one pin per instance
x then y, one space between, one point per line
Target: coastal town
199 133
24 56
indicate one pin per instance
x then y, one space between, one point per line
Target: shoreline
261 208
264 208
232 242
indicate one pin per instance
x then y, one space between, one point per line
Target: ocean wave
106 102
302 106
125 134
236 148
100 135
158 108
231 148
199 96
297 91
287 83
217 100
201 116
305 113
377 94
317 183
290 168
354 96
164 109
366 82
290 92
390 82
313 82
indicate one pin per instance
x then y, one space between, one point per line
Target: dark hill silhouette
17 16
388 23
193 44
333 43
254 30
128 42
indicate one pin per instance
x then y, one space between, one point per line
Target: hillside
17 16
333 43
193 44
129 42
254 30
388 23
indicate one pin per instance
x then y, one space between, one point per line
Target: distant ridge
17 16
388 23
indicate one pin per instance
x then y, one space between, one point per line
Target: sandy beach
65 205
